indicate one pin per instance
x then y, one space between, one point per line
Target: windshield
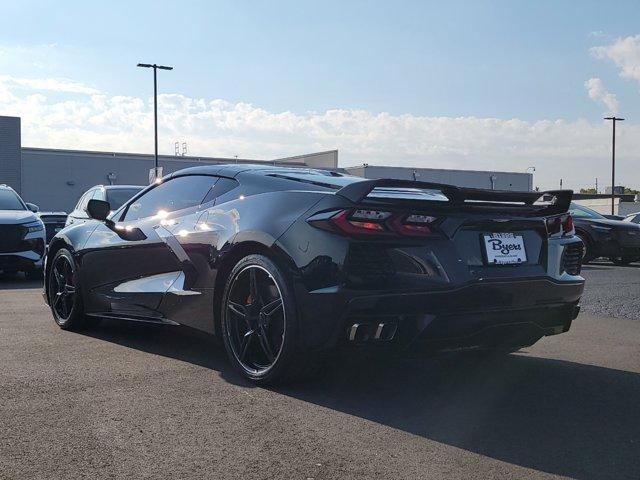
117 196
578 211
10 201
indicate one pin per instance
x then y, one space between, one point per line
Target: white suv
22 235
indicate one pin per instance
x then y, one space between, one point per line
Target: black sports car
617 240
286 263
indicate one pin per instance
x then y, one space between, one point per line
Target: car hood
8 217
605 222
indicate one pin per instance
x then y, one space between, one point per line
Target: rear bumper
475 315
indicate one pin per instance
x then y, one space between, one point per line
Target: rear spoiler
553 202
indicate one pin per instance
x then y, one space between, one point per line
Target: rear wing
547 203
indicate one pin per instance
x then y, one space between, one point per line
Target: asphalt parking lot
138 401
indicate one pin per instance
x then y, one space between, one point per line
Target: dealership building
55 179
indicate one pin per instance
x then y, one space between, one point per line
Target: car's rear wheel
259 324
64 294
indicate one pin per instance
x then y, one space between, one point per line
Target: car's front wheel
587 248
64 295
259 324
621 261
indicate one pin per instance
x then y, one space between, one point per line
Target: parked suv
116 195
22 235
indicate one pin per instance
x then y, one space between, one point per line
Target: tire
621 261
65 299
587 254
261 335
35 274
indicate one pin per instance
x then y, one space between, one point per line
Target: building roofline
180 158
436 169
142 155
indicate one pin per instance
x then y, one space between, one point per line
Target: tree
588 190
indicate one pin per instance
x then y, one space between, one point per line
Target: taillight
375 222
560 226
414 224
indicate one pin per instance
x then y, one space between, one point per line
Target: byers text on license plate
504 249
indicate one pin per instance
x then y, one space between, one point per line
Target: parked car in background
283 264
53 222
633 218
22 235
617 240
116 195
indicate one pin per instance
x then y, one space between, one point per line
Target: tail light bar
560 226
375 222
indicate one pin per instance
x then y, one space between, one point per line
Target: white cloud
598 93
50 84
576 151
625 53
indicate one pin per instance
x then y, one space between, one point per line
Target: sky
501 85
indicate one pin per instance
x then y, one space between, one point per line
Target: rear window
118 196
10 201
321 178
579 211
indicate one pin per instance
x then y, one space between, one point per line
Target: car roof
233 169
224 169
117 187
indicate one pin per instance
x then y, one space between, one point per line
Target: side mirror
33 207
98 209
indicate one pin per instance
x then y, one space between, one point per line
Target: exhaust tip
360 332
386 331
363 332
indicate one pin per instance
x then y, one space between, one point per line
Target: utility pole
613 162
596 185
155 107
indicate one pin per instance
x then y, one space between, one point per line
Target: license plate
504 249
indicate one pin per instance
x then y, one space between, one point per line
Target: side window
174 194
97 194
221 187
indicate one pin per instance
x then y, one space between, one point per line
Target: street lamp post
613 161
155 107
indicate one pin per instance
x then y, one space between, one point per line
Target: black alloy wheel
64 298
258 320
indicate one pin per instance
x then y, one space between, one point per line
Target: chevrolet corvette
285 263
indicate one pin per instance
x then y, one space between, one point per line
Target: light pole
155 107
613 161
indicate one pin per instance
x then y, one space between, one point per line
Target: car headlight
601 228
34 227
